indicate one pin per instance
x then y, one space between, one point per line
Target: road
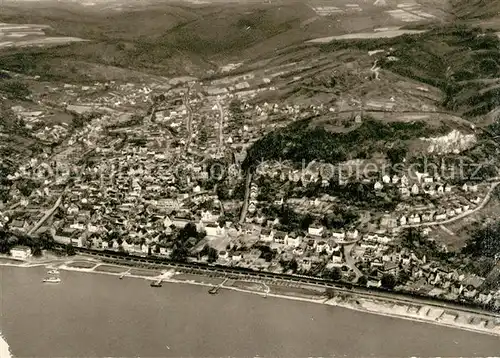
189 122
244 209
221 123
47 215
460 216
348 247
350 261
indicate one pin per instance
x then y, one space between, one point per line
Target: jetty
156 283
124 274
214 290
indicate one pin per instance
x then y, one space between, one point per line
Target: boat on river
51 280
156 283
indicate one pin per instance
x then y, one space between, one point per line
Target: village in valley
159 169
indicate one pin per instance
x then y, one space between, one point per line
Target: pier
157 283
214 290
124 274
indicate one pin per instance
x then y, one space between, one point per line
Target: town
158 169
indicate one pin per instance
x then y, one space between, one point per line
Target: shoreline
366 305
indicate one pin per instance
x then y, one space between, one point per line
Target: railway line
287 280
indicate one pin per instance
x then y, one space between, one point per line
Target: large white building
20 252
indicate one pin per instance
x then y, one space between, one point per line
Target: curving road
460 216
221 123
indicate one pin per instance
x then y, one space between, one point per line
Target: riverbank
442 316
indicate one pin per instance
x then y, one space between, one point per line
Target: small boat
156 284
52 280
53 272
213 290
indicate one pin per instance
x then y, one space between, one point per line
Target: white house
414 219
280 237
386 179
208 216
320 246
237 257
441 216
267 235
352 234
378 186
338 235
212 229
20 252
292 241
404 180
402 220
315 230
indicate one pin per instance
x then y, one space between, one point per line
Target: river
98 315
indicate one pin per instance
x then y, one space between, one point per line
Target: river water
93 315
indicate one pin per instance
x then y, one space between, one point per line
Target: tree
37 251
236 113
46 240
268 256
403 277
412 237
70 250
396 154
179 253
15 89
4 242
188 231
334 274
212 255
27 187
388 281
484 241
112 235
330 293
203 136
222 190
306 222
362 281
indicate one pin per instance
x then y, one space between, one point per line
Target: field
145 273
198 278
110 269
82 264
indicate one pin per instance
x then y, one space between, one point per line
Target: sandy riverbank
416 312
